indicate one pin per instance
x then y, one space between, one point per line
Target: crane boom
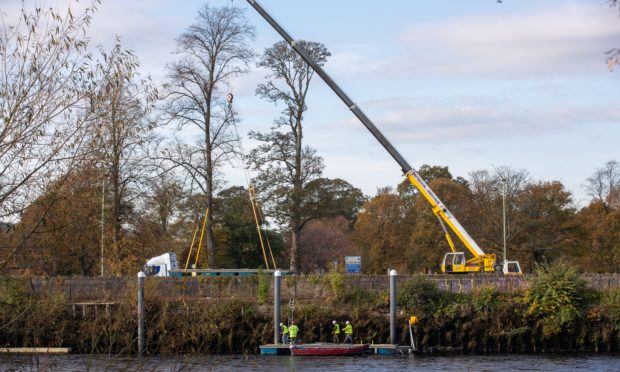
486 261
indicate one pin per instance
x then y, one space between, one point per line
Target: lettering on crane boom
427 189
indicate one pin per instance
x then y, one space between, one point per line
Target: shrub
335 280
556 297
263 287
420 296
610 307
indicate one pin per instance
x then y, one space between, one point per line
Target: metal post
277 276
102 220
504 217
393 274
141 277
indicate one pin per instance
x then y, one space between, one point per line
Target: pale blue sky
464 84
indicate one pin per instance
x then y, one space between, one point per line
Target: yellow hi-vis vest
348 329
293 329
336 329
284 329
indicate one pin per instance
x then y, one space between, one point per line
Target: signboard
353 264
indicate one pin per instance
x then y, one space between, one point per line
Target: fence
77 289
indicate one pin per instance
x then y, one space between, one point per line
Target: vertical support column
141 277
277 276
393 307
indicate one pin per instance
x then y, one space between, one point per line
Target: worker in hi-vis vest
336 332
292 331
284 330
348 331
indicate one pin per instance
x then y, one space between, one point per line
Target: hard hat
334 322
281 323
347 322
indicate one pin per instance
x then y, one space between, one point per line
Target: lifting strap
251 191
204 224
191 247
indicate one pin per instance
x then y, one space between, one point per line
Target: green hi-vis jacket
293 329
284 329
336 329
348 329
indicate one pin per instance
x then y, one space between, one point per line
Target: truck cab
511 268
161 265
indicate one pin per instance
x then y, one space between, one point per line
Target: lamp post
504 215
102 221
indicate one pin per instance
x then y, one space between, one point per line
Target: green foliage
555 298
486 300
420 296
263 287
357 296
335 280
610 307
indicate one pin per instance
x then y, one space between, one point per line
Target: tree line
97 173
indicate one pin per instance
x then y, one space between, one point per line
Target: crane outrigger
453 262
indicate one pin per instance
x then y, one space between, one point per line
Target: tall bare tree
212 50
285 165
605 181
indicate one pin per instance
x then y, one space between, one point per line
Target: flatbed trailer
178 273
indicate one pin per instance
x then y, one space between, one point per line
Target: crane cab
511 268
453 262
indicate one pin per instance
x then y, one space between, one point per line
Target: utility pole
102 220
504 216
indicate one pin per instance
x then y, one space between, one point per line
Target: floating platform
329 349
275 349
390 349
36 350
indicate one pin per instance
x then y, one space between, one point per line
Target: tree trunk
295 238
209 176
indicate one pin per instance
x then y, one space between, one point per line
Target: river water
504 362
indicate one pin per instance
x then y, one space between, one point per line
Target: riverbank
556 313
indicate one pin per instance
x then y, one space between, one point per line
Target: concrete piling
393 320
141 277
277 277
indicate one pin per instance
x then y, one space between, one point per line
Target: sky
471 85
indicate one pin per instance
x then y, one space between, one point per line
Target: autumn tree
211 51
284 164
426 243
546 228
63 229
325 241
381 233
598 248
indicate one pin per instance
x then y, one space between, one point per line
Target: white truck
161 265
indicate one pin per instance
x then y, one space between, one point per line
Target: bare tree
602 185
285 165
44 83
213 50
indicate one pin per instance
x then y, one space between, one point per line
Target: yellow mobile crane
453 262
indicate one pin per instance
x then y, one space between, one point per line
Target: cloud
564 39
461 119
